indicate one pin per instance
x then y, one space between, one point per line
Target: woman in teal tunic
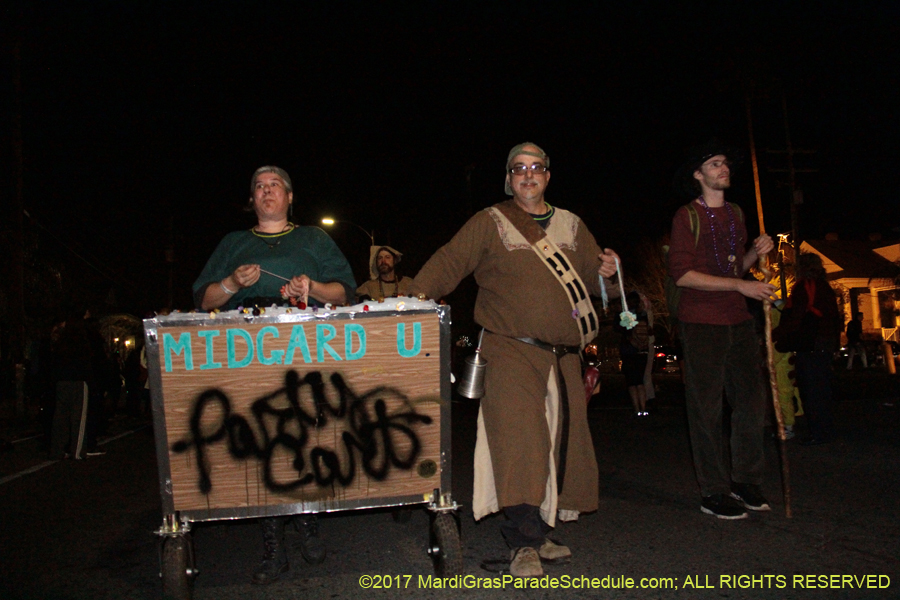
274 259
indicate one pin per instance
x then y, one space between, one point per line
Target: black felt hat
684 182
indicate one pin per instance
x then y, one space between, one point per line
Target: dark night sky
143 121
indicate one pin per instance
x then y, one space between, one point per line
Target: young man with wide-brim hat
708 260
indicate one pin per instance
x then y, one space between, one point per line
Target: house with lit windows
867 275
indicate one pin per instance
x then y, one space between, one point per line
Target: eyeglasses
536 169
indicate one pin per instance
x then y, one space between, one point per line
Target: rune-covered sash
554 259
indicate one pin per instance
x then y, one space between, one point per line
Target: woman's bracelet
226 290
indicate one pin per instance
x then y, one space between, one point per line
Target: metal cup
471 384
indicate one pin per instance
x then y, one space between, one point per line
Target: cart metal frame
177 562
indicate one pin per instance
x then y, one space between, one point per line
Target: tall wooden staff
770 347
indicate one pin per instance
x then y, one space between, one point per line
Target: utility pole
796 195
759 207
170 262
16 315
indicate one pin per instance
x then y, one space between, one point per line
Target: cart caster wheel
445 548
176 570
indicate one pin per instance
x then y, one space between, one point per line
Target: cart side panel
327 412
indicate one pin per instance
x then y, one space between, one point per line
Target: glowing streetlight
329 221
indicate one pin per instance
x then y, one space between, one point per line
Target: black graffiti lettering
264 413
379 436
293 445
326 466
199 441
241 443
379 439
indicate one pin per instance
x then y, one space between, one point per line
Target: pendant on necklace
731 258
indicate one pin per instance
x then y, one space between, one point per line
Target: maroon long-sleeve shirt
698 306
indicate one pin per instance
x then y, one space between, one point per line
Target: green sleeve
216 269
333 266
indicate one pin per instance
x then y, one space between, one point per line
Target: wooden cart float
284 411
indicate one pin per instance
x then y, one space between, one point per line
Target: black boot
274 561
311 546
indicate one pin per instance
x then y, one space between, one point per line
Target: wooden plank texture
357 422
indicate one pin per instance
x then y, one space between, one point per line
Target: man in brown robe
526 312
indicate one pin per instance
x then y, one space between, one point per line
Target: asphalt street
85 529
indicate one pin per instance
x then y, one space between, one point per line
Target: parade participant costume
298 250
721 350
521 428
786 378
375 287
812 327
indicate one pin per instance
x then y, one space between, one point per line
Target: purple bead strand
732 231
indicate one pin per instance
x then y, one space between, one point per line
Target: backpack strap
694 219
695 222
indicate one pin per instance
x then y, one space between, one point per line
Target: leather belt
557 349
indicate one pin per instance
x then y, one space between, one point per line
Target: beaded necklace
273 236
395 282
732 239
